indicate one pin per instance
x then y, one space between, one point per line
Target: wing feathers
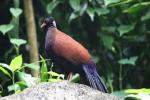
70 49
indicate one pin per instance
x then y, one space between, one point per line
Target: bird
66 52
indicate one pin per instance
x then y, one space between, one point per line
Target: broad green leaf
5 66
91 12
32 66
16 63
6 28
108 2
147 91
18 42
83 8
145 17
102 11
107 41
14 87
130 61
51 6
121 2
73 16
75 4
16 12
27 78
43 71
122 29
137 7
5 71
17 87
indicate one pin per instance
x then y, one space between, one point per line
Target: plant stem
120 77
13 79
120 70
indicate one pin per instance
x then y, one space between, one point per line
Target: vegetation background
116 32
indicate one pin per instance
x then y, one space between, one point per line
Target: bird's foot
69 77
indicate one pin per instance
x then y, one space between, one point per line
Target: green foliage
134 94
20 79
43 71
137 7
108 2
131 61
51 6
6 28
75 4
145 17
122 29
107 40
16 12
5 71
18 42
16 63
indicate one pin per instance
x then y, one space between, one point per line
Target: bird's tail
93 78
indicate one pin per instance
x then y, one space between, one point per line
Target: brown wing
70 49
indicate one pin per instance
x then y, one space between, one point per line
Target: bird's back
66 47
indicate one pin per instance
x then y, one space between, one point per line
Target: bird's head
48 22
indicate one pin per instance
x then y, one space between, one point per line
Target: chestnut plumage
70 54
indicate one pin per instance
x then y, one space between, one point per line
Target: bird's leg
69 77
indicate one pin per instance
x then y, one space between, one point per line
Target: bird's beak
43 24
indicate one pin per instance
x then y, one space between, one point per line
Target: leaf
145 17
137 7
51 6
107 41
14 87
17 87
18 42
32 66
91 12
27 78
83 8
5 66
147 91
121 2
16 63
130 61
43 71
122 29
75 4
102 11
108 2
73 16
6 28
5 71
16 12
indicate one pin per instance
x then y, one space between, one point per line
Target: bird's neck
51 32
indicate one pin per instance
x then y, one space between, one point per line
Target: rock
63 90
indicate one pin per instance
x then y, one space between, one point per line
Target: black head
48 22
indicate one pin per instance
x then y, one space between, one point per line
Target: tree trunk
31 32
